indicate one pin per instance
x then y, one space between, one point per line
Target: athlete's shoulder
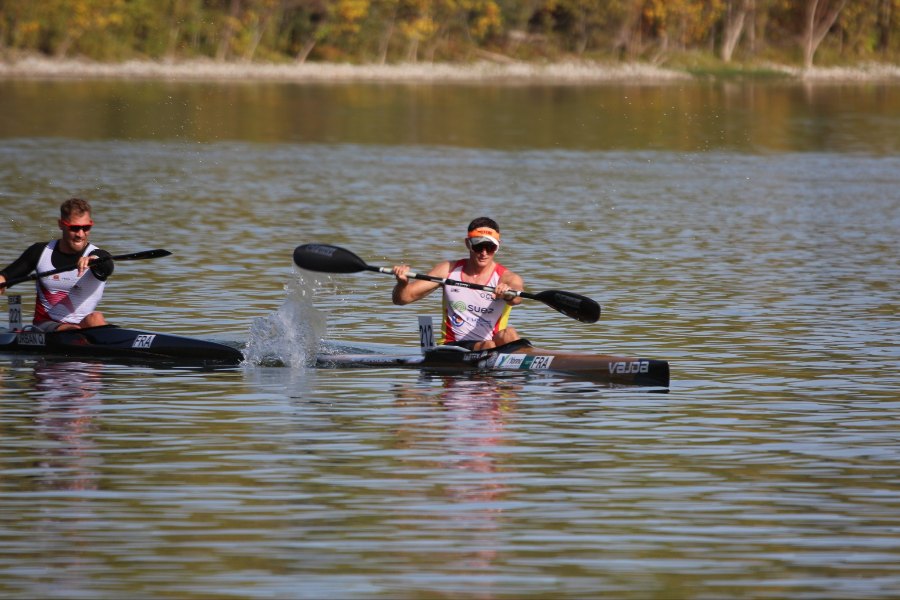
457 264
26 263
504 271
442 269
34 251
508 276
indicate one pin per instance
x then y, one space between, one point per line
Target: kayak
520 355
111 341
515 356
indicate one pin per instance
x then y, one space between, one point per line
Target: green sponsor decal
458 306
526 363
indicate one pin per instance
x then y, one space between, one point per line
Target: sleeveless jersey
65 297
471 314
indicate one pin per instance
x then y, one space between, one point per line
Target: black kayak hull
112 342
517 356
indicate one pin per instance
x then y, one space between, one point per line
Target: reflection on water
475 407
685 117
65 397
470 439
54 454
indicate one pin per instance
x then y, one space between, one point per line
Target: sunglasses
78 227
485 247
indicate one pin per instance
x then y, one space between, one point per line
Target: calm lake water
746 233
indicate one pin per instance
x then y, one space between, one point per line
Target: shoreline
569 72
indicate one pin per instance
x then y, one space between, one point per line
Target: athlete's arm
101 270
510 281
24 265
407 290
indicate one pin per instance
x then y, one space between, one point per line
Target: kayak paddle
332 259
132 256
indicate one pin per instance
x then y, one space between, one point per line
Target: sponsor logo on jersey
458 306
481 310
30 339
637 366
143 341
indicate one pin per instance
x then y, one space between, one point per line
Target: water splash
290 335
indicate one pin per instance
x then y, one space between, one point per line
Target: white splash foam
289 336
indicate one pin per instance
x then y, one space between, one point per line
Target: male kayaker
472 319
66 300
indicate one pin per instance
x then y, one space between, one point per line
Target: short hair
484 222
75 206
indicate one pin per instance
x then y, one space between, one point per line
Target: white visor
482 239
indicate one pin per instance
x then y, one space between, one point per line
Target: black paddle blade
328 259
581 308
159 253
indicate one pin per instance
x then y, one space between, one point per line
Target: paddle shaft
475 286
133 256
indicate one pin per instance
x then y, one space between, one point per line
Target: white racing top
65 297
472 314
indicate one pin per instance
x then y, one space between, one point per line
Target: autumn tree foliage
380 31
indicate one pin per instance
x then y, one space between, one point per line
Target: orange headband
484 232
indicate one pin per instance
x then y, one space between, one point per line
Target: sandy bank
200 70
486 72
862 72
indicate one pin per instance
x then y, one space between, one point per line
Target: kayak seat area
450 349
513 346
504 349
30 327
